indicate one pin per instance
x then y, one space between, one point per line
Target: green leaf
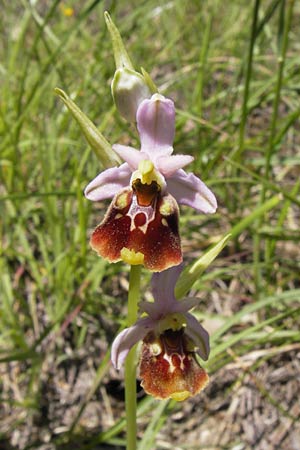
192 273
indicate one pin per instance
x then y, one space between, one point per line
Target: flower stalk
130 364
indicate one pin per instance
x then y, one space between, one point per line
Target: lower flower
168 368
171 338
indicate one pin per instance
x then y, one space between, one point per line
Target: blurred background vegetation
232 69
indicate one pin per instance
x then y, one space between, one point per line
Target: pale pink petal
190 190
195 331
153 309
156 125
130 155
162 286
182 306
168 165
164 305
127 339
108 183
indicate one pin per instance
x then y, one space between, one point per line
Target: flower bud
129 89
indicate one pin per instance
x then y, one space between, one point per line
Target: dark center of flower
174 348
145 193
170 348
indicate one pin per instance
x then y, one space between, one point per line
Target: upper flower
156 126
141 226
171 336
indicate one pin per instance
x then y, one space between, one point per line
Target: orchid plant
141 227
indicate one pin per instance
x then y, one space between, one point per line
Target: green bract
120 54
192 273
96 140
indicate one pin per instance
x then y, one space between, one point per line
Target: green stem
130 363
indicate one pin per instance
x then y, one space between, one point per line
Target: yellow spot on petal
131 257
180 396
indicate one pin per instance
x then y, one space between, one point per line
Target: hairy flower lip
168 369
137 223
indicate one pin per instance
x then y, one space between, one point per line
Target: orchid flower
171 337
141 225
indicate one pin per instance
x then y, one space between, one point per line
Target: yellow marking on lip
180 396
122 200
166 208
155 349
131 257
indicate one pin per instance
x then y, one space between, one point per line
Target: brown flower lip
168 367
143 224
